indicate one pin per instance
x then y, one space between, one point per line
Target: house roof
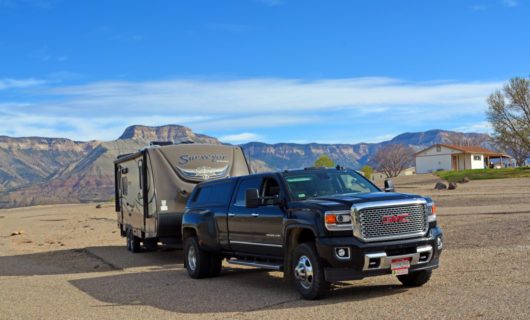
469 150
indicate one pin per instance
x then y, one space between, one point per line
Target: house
450 157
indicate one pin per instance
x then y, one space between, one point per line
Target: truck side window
218 193
253 183
270 191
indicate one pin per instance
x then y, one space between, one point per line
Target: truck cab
316 225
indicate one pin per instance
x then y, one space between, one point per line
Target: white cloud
252 96
101 110
8 83
510 3
480 127
240 137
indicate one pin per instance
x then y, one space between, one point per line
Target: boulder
99 206
464 180
440 186
452 186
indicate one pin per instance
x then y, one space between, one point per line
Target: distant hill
292 155
36 170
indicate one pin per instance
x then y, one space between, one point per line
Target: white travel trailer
153 185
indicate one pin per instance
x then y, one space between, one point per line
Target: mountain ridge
39 170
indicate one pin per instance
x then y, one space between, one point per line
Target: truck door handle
231 214
255 215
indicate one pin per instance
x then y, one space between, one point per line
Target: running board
262 265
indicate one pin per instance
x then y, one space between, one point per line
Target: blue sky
268 70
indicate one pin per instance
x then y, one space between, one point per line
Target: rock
99 206
16 233
452 186
440 186
464 180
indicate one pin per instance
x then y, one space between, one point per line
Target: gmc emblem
398 218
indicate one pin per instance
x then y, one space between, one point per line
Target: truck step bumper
345 274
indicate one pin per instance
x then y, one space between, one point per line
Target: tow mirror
252 199
389 185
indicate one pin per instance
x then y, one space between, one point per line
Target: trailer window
140 175
124 186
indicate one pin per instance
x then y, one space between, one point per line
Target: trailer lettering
186 158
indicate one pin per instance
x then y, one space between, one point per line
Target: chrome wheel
192 258
303 272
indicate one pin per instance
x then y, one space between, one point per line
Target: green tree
509 115
324 161
368 171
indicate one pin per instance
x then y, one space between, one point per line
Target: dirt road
69 262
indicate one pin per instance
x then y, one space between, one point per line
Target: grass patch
482 174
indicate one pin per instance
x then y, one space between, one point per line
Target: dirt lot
69 262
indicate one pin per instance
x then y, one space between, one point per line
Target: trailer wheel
133 242
198 262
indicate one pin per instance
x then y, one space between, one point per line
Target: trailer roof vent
161 143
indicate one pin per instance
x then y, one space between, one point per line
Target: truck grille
391 222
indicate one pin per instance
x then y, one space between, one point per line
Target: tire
198 262
133 242
415 279
151 244
308 273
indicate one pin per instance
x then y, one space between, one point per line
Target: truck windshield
307 185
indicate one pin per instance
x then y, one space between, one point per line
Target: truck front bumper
372 259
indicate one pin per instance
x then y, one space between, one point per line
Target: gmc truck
317 225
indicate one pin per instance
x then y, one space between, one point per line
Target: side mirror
252 199
389 185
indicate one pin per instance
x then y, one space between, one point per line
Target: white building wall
476 164
433 159
429 164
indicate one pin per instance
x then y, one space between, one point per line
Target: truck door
241 228
256 230
270 219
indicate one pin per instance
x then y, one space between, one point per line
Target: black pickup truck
316 225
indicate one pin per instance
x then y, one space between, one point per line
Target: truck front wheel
415 279
308 272
199 263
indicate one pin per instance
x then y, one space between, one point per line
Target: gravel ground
69 262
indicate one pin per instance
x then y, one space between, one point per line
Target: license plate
400 266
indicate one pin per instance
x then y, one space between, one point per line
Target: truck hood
344 202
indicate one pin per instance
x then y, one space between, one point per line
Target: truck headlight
431 212
338 220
